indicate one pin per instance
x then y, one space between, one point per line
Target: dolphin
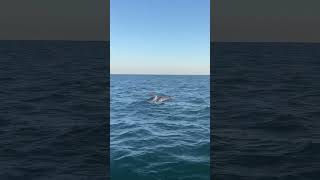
157 99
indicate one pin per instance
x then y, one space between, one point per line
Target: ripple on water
160 141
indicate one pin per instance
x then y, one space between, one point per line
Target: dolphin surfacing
157 99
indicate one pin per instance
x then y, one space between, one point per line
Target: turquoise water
160 141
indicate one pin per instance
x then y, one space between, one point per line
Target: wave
152 141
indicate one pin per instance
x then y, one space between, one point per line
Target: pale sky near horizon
160 37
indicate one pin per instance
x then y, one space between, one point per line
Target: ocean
168 141
53 110
54 115
265 111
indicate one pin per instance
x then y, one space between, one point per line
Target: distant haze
54 20
265 20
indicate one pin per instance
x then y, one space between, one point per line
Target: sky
86 20
160 36
265 20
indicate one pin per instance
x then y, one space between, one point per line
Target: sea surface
265 111
169 141
53 110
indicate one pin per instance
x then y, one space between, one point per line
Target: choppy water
266 104
168 141
53 110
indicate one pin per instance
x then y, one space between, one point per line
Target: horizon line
161 74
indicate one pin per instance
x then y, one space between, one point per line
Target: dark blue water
53 110
168 141
266 111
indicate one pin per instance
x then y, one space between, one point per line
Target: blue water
53 110
265 109
168 141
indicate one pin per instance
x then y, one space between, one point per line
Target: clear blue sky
160 36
